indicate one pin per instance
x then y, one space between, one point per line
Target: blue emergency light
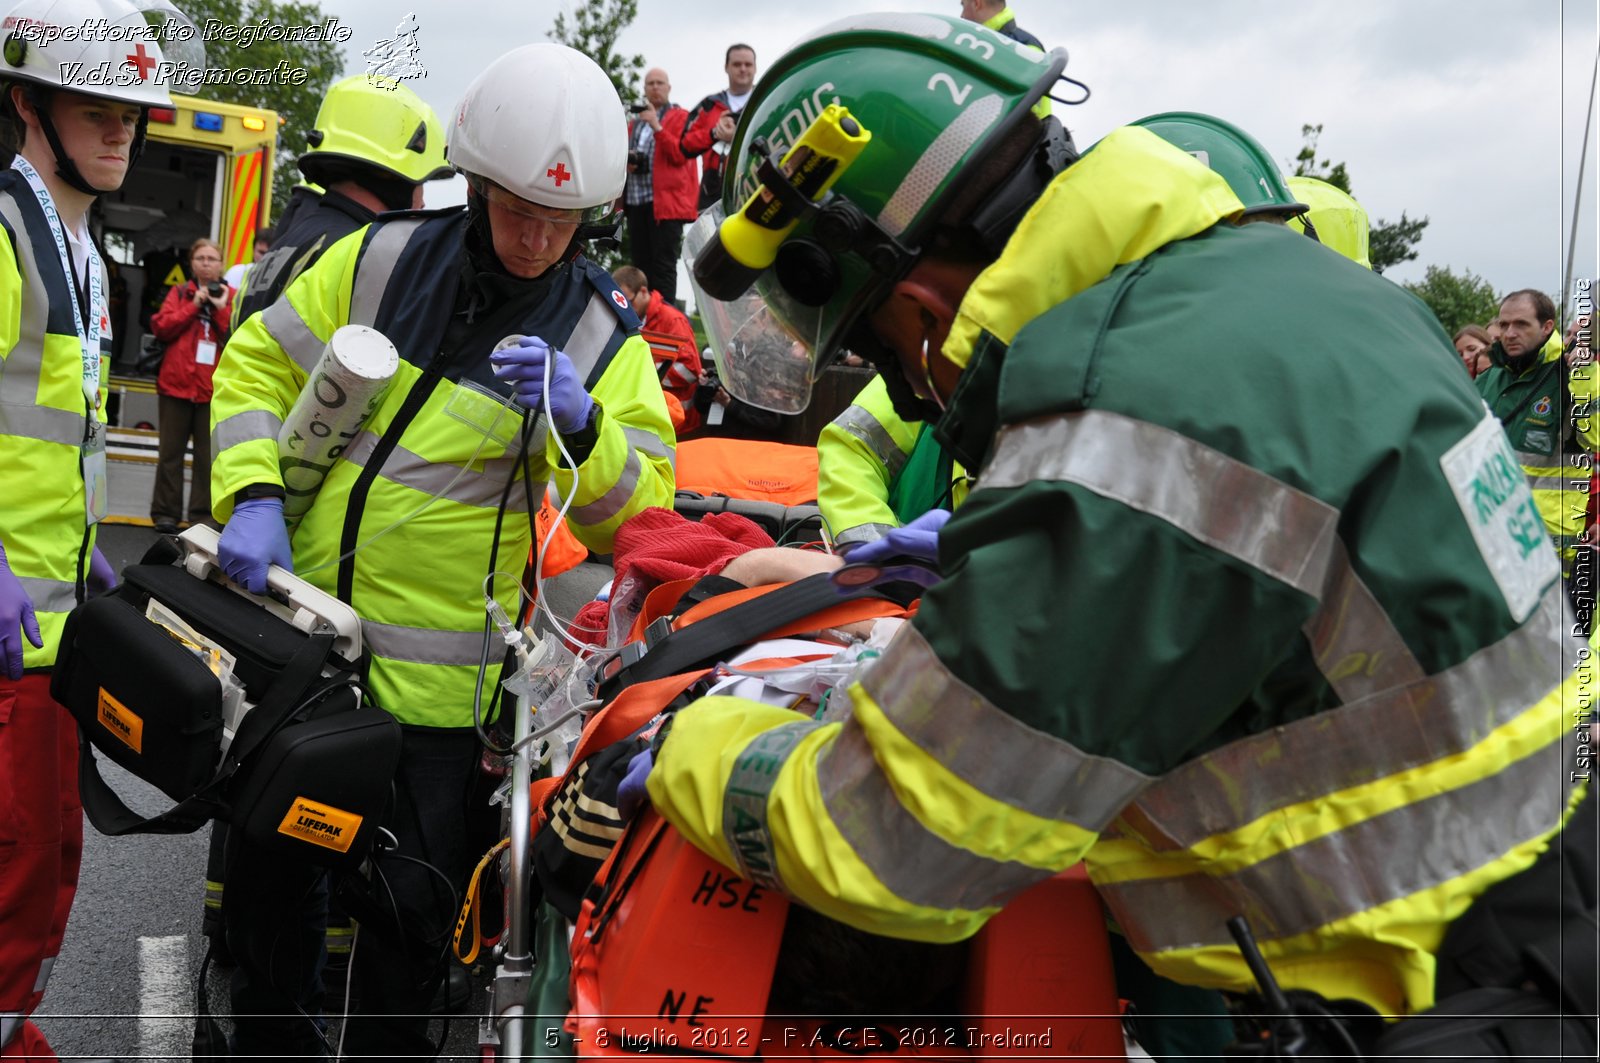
208 122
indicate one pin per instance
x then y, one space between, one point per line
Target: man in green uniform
1215 549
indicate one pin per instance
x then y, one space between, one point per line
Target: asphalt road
125 984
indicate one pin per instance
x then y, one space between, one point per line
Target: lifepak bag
299 765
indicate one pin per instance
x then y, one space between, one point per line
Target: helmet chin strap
927 377
66 168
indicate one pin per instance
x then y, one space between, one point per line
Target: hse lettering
712 884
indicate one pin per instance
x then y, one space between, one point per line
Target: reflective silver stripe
424 645
247 427
285 325
1387 857
1354 642
648 442
1382 735
1232 507
39 422
1218 500
990 749
50 595
46 965
1530 460
941 157
471 487
1552 483
915 864
613 501
10 1023
863 533
744 802
375 268
859 422
589 336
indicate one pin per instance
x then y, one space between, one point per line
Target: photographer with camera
662 188
193 323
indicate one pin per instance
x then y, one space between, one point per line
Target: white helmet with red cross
545 123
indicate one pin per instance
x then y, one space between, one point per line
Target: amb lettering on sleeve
122 722
1493 493
320 824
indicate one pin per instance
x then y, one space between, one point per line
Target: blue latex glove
523 366
631 793
16 619
919 539
253 539
102 577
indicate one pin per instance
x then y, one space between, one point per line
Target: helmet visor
760 360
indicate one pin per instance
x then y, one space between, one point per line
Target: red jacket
178 324
697 141
675 177
682 376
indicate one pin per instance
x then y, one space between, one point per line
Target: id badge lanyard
94 438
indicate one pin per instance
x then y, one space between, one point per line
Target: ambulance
206 171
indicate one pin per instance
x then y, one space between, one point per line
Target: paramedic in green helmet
1188 632
876 472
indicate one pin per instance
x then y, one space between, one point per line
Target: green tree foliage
1391 243
593 30
1456 299
296 104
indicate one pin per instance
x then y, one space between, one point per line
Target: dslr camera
638 160
638 108
214 289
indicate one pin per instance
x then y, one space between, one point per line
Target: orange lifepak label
121 721
319 824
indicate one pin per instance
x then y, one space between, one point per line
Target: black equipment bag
310 770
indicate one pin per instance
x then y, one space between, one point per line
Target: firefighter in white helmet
448 288
72 141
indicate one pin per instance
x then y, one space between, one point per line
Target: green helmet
1233 155
936 94
377 122
1336 220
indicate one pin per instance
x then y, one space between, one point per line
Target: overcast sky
1468 111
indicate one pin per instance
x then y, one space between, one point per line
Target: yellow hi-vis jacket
860 457
419 587
1189 632
43 419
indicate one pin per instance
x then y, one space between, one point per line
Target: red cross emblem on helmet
560 173
141 61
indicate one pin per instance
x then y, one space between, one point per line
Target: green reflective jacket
1248 617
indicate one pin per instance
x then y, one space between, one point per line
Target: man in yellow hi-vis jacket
447 288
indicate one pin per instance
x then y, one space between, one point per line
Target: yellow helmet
1340 222
377 122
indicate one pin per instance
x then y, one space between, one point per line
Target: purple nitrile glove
524 365
102 577
631 792
919 539
253 539
16 619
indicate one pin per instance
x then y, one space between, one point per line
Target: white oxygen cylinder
344 389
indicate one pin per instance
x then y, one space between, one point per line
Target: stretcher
673 955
